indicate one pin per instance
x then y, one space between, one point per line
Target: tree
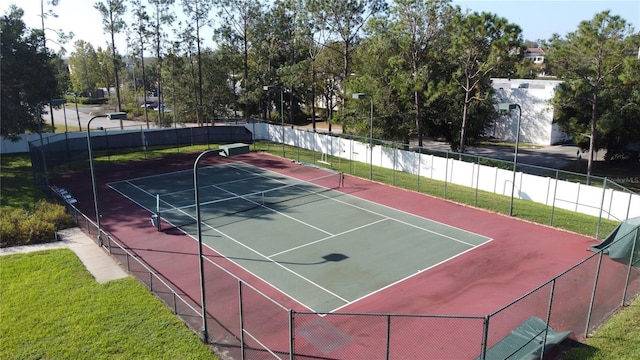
27 73
481 43
344 19
112 12
104 69
139 27
63 77
84 64
420 29
198 12
591 60
160 17
62 36
239 18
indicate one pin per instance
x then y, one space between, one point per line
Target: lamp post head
359 95
117 116
507 106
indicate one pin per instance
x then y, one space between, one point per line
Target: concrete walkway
99 263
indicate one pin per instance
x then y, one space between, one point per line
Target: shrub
133 109
86 100
34 226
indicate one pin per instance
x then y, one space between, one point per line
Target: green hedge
86 100
36 225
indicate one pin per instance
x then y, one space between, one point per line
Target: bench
525 341
234 149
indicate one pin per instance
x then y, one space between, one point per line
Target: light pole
362 96
111 116
506 107
93 177
269 88
199 234
75 97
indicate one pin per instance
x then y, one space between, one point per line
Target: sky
539 19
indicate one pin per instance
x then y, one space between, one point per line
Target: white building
534 97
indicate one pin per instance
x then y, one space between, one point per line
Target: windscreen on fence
63 149
623 243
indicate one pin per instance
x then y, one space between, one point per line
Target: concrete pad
99 263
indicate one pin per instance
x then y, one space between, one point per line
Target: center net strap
278 198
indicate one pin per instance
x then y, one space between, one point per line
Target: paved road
555 157
85 114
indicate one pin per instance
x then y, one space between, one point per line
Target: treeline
424 67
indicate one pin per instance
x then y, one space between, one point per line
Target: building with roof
534 98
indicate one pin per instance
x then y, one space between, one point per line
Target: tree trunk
465 109
115 65
592 139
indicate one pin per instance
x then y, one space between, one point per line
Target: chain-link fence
242 321
68 150
543 195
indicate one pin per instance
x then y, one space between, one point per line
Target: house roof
535 51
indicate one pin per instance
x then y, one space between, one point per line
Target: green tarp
525 341
622 241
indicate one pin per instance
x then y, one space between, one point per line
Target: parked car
150 105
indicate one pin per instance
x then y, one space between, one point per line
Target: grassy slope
52 308
65 313
16 181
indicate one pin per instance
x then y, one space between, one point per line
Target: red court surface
521 256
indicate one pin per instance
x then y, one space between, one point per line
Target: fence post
446 174
419 165
485 338
388 335
629 204
241 318
395 162
315 147
477 179
593 295
350 154
44 163
106 140
297 132
546 330
604 193
555 194
633 251
291 336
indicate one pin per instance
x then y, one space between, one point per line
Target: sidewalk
100 264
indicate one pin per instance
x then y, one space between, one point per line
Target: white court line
408 277
273 210
384 218
273 262
329 237
127 196
382 215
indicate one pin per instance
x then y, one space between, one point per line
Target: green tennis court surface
319 245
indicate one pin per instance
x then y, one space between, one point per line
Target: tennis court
312 241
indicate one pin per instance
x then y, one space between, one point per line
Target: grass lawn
52 308
78 313
618 339
16 177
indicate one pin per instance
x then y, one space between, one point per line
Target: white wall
616 205
533 96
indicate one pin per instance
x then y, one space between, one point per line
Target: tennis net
274 199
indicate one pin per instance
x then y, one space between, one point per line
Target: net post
158 212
